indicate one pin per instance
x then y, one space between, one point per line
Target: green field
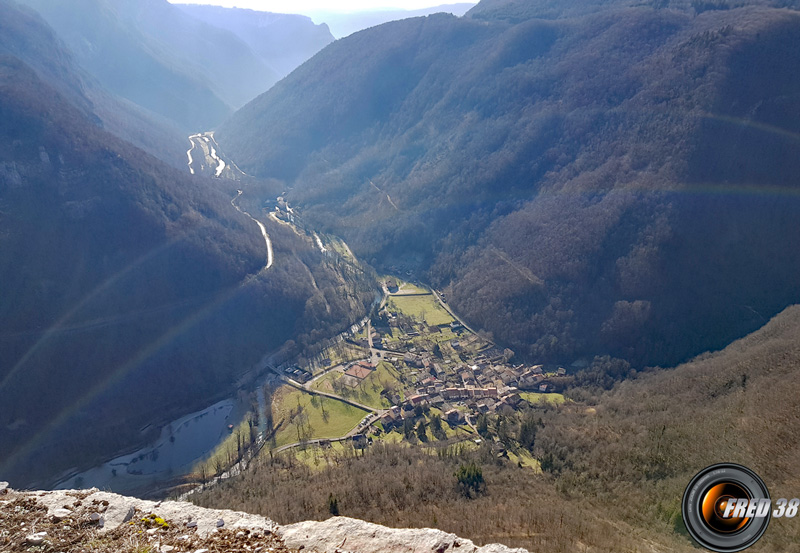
306 417
534 397
408 288
421 308
317 457
369 390
525 459
344 353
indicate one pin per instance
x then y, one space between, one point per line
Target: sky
306 6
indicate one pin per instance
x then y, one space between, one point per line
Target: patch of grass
344 352
422 308
408 288
535 397
393 437
523 458
325 384
306 417
317 457
369 390
339 246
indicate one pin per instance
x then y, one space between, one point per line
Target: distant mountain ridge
615 179
158 57
343 24
282 41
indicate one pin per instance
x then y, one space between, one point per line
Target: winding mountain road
209 161
270 254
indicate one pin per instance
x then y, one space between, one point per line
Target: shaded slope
569 180
24 34
133 292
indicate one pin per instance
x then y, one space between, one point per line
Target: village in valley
412 372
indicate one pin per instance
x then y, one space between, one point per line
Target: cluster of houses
483 374
470 390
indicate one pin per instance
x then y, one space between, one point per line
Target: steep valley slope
594 178
132 293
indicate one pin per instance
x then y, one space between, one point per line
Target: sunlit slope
614 179
638 446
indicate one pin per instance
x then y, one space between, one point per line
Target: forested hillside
584 178
133 293
646 438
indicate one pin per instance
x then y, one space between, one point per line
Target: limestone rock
129 515
60 514
335 534
349 534
36 539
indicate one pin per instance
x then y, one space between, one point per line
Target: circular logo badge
726 508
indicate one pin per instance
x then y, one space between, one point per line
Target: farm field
421 308
307 417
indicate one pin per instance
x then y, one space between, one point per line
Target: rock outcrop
109 511
353 535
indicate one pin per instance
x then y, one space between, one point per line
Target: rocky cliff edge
72 520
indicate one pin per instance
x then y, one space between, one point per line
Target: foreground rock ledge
337 534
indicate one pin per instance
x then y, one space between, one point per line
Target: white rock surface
340 534
60 514
179 512
36 539
353 535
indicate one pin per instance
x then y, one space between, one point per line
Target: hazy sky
305 6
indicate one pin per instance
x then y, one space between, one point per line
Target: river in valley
182 444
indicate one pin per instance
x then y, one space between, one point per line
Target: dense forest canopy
593 178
